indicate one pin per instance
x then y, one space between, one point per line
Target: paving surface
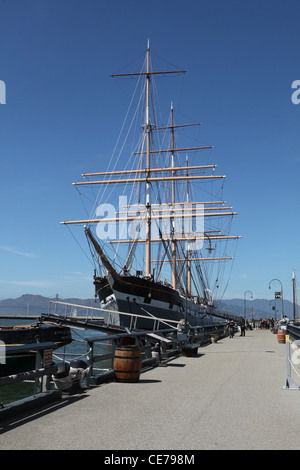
230 396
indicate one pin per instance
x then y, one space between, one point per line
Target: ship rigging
185 240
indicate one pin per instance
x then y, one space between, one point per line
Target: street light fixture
278 280
274 308
246 292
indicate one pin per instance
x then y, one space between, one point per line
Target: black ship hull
133 296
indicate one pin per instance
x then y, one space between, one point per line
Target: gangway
90 317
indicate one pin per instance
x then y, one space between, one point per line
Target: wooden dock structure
230 396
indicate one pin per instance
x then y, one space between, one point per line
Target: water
76 349
10 393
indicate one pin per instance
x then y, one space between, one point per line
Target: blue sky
63 113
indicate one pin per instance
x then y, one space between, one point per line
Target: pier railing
156 345
292 340
294 330
41 378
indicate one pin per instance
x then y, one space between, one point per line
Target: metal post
245 314
290 384
38 383
90 359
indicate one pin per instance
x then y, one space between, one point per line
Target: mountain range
37 304
261 308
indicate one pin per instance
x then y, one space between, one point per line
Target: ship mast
148 130
188 252
148 183
173 203
294 296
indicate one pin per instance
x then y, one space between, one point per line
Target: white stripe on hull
123 302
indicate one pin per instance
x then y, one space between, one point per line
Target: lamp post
278 280
246 292
274 308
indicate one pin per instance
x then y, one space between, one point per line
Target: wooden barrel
127 363
281 336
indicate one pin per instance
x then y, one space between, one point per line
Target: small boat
19 343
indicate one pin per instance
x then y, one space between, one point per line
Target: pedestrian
230 327
243 327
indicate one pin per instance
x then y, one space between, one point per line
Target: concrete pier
230 396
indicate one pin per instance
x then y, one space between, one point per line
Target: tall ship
159 230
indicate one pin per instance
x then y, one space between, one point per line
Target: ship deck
230 396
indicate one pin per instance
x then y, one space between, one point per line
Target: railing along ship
71 312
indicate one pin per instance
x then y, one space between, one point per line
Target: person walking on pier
230 327
243 327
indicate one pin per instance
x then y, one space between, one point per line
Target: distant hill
262 308
37 304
